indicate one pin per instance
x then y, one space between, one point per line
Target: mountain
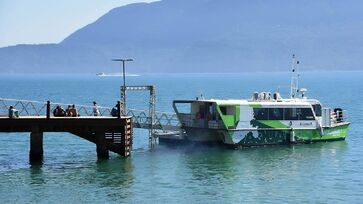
205 36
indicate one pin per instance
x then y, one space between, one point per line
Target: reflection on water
218 165
116 173
36 174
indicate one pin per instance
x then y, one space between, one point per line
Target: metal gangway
162 121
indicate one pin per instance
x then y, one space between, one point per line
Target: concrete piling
106 132
36 147
101 147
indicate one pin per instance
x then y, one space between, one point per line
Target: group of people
71 111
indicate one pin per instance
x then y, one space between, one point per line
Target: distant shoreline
191 73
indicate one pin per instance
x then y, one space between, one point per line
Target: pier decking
108 133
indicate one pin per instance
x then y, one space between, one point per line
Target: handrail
141 118
338 116
37 108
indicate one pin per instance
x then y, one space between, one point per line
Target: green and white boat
265 119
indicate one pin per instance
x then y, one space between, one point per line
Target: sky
49 21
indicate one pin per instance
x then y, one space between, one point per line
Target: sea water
328 172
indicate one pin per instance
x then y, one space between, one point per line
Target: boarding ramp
162 120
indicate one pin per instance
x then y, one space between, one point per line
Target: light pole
124 87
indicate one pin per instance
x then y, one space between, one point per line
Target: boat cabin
239 114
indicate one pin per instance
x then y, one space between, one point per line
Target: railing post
119 109
48 109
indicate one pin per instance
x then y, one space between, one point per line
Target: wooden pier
108 133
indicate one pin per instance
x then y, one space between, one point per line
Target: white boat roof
282 102
264 102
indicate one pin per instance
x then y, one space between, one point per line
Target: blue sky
49 21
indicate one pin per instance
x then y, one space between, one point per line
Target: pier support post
119 110
36 147
102 151
48 109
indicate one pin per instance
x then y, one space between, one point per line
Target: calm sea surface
314 173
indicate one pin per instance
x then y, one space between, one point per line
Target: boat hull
275 137
203 135
338 132
267 137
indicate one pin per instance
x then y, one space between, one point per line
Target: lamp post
124 81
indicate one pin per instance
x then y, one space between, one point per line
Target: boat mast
294 78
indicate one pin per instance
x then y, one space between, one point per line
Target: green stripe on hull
306 135
334 133
230 121
268 124
267 137
331 133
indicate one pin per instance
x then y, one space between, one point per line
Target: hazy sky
49 21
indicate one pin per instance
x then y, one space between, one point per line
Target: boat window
223 110
317 109
306 114
184 108
211 112
228 110
290 114
298 114
275 114
260 113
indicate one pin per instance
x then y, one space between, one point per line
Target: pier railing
141 119
38 108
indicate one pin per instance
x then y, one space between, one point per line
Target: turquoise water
314 173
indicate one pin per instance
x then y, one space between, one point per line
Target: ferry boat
264 119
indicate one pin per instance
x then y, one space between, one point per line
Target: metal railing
38 108
141 118
337 117
24 107
162 120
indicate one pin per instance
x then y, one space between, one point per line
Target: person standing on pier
96 111
114 111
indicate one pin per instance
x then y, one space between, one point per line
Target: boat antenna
295 77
